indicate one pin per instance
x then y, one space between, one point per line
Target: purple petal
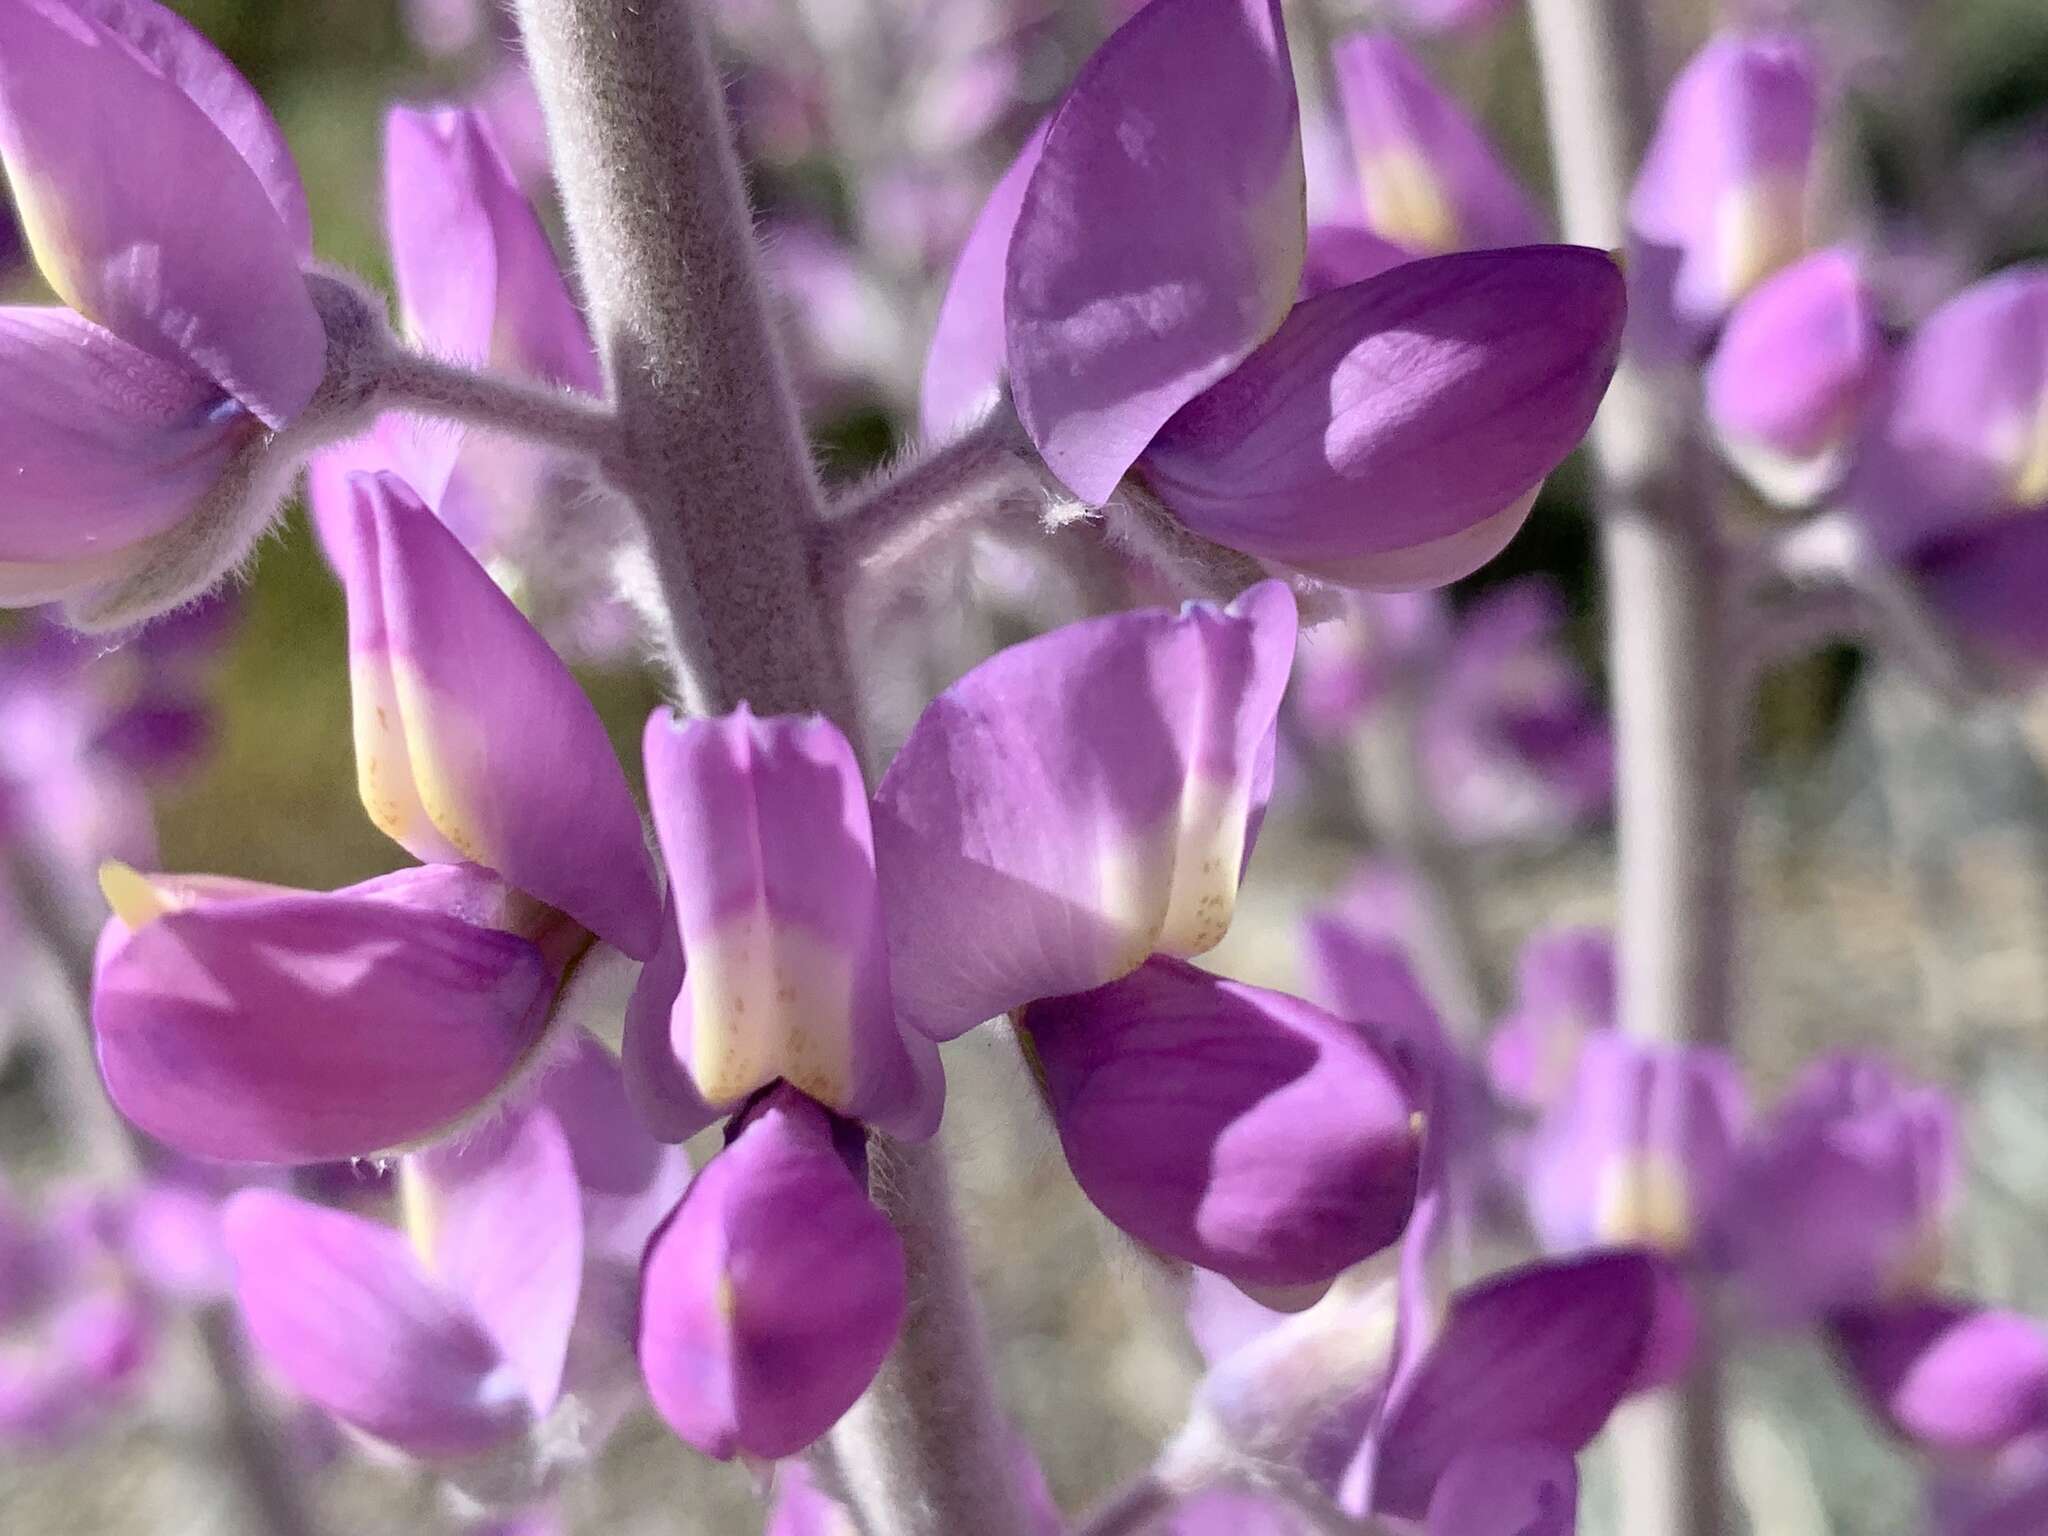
764 827
1639 1149
1799 361
102 445
1160 240
477 278
473 742
1963 437
1393 433
1087 795
1510 1490
145 218
1985 583
339 1308
1564 992
1721 201
661 1092
498 1219
183 56
1431 181
1540 1354
1948 1376
964 366
1239 1129
630 1180
311 1027
772 1296
1841 1200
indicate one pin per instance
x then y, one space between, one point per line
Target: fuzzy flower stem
1676 699
713 456
252 1452
884 525
411 381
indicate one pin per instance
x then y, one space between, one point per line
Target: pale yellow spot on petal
135 899
1642 1199
1760 227
769 1000
1406 203
419 1214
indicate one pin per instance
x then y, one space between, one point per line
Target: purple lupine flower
1721 201
1953 479
2006 1496
1960 1380
764 827
1236 1128
252 1023
1800 361
1430 181
743 1350
1841 1197
489 1338
1316 436
163 208
1638 1149
1091 795
1564 993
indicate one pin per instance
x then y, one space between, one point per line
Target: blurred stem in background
251 1449
1676 699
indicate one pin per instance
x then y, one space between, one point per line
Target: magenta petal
1963 437
1089 796
1431 182
1393 433
1512 1490
1721 200
1341 254
498 1218
1946 1375
473 741
477 279
182 55
101 445
1236 1128
964 366
1539 1354
630 1181
338 1306
108 158
1795 368
1160 239
770 1299
764 827
305 1028
1985 583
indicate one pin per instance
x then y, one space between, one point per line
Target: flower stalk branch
411 381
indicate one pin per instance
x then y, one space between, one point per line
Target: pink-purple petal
770 1299
145 218
1089 796
1393 433
337 1306
1947 1376
1529 1489
498 1218
311 1027
473 741
1238 1129
1160 239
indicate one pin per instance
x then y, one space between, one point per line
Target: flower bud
1800 360
1235 1128
1394 433
772 1295
1564 993
1947 1376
